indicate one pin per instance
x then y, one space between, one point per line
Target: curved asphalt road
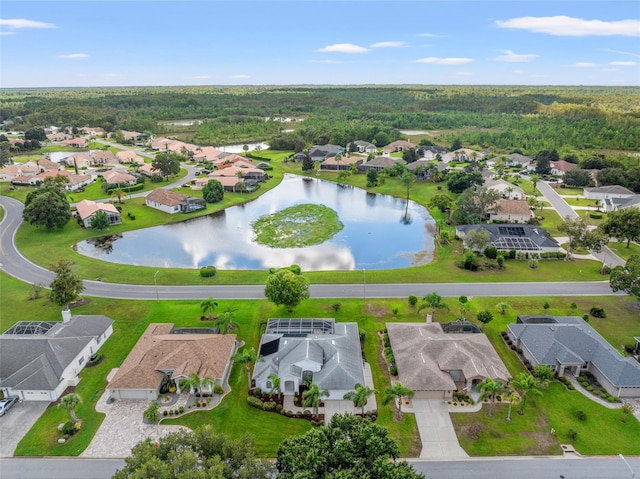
14 264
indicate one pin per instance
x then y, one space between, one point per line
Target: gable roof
573 341
610 189
166 197
513 207
37 361
383 162
87 208
501 235
158 351
425 355
501 185
562 165
118 176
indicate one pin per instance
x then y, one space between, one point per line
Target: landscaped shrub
595 216
580 415
306 413
171 412
413 300
597 312
336 307
68 428
181 409
151 413
393 370
590 388
385 340
165 413
491 252
573 434
207 271
257 392
218 389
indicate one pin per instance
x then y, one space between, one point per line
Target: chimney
66 315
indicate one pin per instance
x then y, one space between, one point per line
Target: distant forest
502 119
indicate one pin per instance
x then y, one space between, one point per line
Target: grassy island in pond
297 226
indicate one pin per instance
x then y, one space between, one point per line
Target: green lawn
620 248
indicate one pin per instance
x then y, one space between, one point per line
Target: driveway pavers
123 428
17 422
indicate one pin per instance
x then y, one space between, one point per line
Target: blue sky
146 43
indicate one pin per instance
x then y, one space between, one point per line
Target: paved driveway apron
17 422
438 437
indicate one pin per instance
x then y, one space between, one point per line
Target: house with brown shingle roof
560 167
119 177
167 352
104 157
87 209
400 145
171 202
435 363
129 156
45 164
76 142
344 163
511 211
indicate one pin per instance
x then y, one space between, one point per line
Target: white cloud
428 35
329 62
573 27
583 65
465 73
7 33
240 77
22 23
73 56
343 48
444 61
511 57
518 71
623 64
608 69
388 45
637 55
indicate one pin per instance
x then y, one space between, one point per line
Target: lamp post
633 474
155 281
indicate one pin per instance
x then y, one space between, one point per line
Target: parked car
6 403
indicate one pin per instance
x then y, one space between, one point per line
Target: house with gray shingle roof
435 363
326 352
520 237
40 359
380 163
569 345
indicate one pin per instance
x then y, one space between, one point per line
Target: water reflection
380 232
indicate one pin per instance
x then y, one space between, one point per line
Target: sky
86 43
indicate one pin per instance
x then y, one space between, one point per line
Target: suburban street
16 265
489 468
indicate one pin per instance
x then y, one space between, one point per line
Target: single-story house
133 135
119 177
320 350
322 152
207 153
45 164
93 130
104 157
569 345
87 209
80 160
379 163
174 353
39 360
559 168
76 142
229 183
247 173
518 160
28 169
129 156
506 189
396 146
344 163
425 169
615 204
524 238
171 202
606 192
59 136
74 182
511 211
361 146
147 170
435 364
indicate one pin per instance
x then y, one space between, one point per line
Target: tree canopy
213 191
623 224
458 181
627 278
286 288
167 163
349 447
200 454
48 207
66 286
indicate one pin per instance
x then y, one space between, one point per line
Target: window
269 385
81 360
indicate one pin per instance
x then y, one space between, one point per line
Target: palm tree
502 307
275 384
312 397
395 393
359 396
433 301
526 384
70 402
534 179
247 356
407 180
490 389
208 306
195 382
513 398
225 321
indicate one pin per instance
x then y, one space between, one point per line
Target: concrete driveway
17 422
438 437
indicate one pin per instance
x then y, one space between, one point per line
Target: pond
380 232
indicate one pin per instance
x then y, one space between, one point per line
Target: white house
87 209
40 359
507 190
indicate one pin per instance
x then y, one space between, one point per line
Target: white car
6 403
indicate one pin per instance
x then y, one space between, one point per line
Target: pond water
380 232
